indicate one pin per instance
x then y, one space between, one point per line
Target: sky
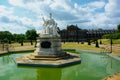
18 16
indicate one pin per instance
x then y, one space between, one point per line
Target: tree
118 26
100 41
100 29
97 44
113 36
19 38
16 37
89 43
6 36
31 35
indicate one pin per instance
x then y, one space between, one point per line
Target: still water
92 67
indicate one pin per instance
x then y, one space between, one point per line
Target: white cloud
108 19
111 16
65 5
64 11
10 22
112 8
96 4
16 2
5 11
14 28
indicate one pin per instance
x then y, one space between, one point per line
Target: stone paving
113 77
29 60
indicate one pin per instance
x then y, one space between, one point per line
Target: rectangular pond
93 67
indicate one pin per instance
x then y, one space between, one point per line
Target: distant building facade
75 34
92 34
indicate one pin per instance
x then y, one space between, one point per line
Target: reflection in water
67 73
110 64
49 73
6 59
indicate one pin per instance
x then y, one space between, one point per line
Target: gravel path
113 77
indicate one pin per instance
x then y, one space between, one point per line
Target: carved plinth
48 46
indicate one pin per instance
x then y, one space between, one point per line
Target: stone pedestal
47 45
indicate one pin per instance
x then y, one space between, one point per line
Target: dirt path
115 49
113 77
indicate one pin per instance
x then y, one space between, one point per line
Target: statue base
48 45
32 60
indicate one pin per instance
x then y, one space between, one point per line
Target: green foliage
118 27
116 36
6 36
89 43
19 38
113 36
97 44
100 41
106 36
16 37
31 35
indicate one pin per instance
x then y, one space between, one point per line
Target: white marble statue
50 26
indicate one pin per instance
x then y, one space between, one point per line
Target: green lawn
85 46
72 45
24 44
107 41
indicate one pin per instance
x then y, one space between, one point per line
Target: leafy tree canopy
31 34
118 27
6 36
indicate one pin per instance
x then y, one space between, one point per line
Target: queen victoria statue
49 41
48 52
50 27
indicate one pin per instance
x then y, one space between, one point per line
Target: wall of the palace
73 33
